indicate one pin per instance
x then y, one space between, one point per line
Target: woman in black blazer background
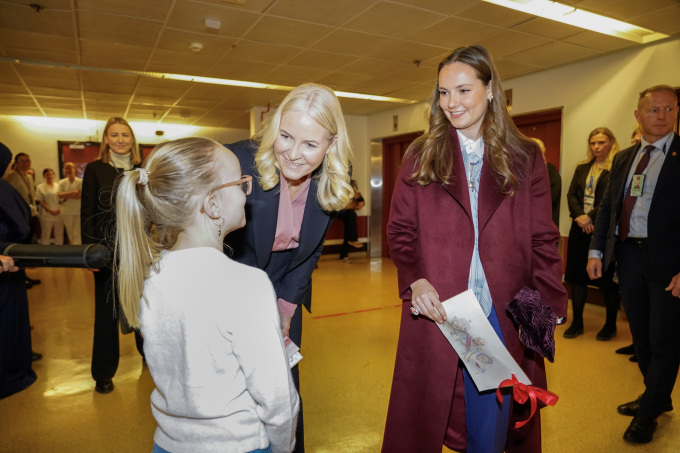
301 162
584 196
118 152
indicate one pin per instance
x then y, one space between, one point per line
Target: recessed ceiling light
583 19
200 79
213 24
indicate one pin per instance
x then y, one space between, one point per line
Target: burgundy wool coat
431 235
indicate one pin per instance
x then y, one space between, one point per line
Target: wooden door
546 126
393 150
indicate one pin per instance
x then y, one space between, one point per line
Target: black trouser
610 292
106 346
277 269
349 219
653 315
295 334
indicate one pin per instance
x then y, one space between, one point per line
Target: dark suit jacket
579 242
252 244
577 189
98 203
663 221
431 235
555 192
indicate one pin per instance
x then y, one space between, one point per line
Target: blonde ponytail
151 209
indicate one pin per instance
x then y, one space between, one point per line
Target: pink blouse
288 226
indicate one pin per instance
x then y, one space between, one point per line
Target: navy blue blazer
252 244
663 221
577 190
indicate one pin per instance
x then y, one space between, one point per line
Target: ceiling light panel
582 19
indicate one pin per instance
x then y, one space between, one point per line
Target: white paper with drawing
477 344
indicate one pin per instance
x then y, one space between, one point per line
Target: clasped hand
586 223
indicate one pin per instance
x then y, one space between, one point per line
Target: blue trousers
486 419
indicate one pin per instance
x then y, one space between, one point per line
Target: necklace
472 160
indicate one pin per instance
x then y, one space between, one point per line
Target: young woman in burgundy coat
471 210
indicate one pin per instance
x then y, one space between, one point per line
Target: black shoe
573 331
633 358
606 334
631 409
32 281
641 430
104 386
627 350
29 285
35 356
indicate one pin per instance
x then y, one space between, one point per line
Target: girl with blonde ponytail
210 325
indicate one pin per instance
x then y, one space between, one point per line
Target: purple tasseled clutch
537 322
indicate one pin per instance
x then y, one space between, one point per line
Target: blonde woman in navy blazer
306 142
589 182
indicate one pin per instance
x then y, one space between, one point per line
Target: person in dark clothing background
349 218
16 355
555 184
118 152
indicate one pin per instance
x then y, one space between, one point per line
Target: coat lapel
457 187
619 188
264 223
310 233
490 196
669 163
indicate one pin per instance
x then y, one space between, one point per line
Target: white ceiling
364 46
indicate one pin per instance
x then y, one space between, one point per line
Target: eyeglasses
246 184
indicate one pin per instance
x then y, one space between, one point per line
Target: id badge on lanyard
637 184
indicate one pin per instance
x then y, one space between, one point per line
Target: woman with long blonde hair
118 152
585 193
300 165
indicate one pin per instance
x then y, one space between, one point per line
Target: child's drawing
474 355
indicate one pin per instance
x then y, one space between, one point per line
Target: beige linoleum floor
349 345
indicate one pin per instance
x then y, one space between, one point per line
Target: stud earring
491 98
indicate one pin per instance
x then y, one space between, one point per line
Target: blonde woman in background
46 195
70 190
585 193
211 329
301 164
118 152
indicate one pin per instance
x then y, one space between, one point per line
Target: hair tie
143 176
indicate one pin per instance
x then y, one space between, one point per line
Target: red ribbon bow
522 392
